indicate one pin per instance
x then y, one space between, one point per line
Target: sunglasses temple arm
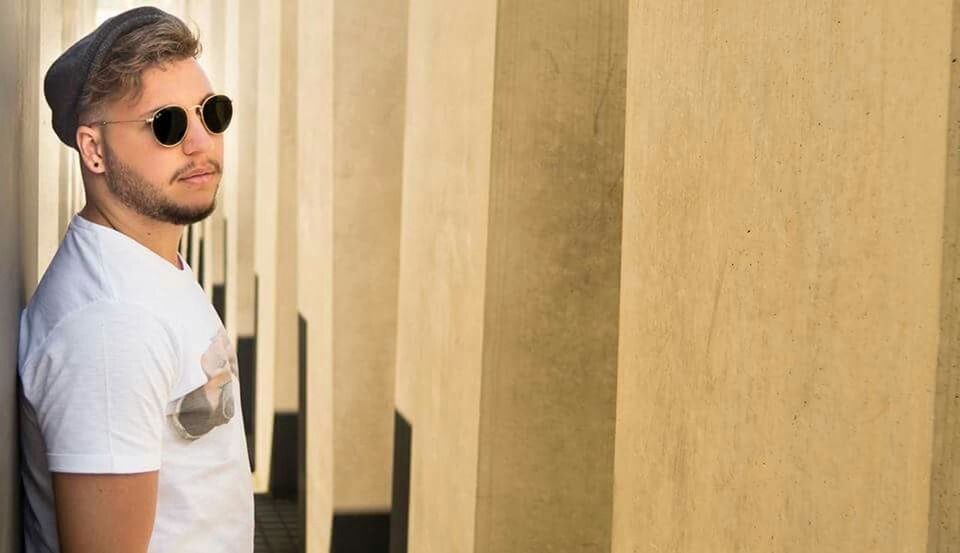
103 123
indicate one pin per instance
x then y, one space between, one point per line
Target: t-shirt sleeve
99 388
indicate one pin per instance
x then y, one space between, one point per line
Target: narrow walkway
276 525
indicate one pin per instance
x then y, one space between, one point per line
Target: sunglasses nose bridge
196 133
196 110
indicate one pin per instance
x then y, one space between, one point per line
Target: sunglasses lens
170 125
217 113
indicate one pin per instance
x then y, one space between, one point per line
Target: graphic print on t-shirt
210 405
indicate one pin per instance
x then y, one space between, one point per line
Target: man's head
136 63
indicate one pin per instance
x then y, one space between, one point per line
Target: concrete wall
240 172
286 254
446 173
11 294
42 33
351 86
315 31
510 265
553 268
275 238
369 85
786 287
944 528
210 18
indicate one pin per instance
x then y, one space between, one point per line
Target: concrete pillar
352 87
12 48
283 482
450 64
788 329
216 271
265 240
369 84
275 239
944 516
41 35
208 17
78 19
507 334
315 32
239 196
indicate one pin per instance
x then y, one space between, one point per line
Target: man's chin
195 207
188 215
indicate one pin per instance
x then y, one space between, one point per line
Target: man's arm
105 513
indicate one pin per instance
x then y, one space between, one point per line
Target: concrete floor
276 525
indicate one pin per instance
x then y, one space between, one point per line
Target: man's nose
197 139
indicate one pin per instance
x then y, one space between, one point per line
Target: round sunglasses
169 123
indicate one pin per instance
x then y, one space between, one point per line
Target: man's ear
90 146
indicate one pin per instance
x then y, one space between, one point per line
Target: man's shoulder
109 322
73 279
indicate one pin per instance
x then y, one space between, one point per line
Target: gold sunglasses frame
187 109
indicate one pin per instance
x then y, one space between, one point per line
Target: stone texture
781 304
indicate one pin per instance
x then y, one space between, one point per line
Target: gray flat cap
65 80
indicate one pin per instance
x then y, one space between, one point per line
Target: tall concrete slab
239 195
240 149
784 284
208 17
78 17
275 237
553 269
283 446
370 45
446 175
351 90
286 245
11 274
944 519
40 36
314 99
507 336
269 60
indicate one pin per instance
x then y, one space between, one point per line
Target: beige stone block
265 239
369 84
782 301
240 174
40 36
315 256
507 336
12 219
208 17
446 173
286 392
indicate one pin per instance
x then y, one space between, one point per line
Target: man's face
148 177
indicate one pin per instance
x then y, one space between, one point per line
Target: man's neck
161 238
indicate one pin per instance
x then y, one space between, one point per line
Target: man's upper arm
105 513
99 389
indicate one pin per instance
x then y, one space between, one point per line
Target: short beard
141 196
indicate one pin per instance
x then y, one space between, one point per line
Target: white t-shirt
125 367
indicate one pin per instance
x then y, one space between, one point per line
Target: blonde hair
152 45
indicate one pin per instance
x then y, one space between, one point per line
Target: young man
130 434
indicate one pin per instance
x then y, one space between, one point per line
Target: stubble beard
145 198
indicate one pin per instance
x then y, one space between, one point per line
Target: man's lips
199 178
199 171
